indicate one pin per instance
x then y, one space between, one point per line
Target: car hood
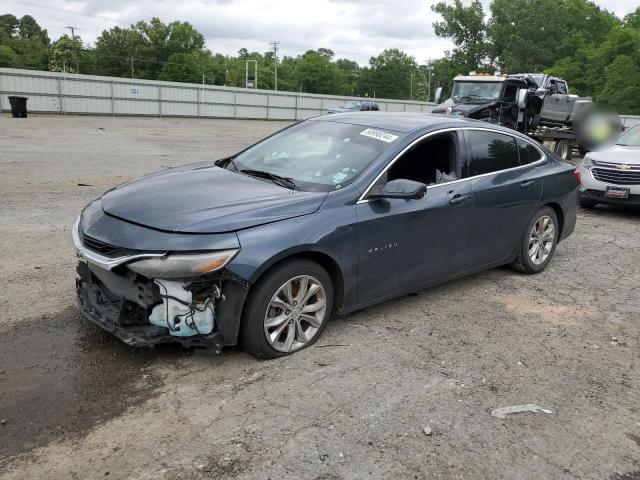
617 154
206 199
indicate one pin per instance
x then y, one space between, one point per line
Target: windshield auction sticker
379 134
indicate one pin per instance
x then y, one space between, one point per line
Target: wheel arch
323 259
557 208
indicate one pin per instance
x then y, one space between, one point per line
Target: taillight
578 175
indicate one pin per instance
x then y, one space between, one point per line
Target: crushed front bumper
129 322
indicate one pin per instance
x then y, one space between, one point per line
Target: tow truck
537 105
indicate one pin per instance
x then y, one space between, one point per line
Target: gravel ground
77 403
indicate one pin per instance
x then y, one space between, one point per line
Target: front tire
538 242
287 309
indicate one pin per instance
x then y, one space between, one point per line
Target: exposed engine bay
144 312
183 314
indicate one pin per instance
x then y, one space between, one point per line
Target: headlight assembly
587 162
182 265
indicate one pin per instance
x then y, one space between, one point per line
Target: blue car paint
365 244
206 199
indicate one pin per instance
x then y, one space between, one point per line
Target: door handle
458 199
526 184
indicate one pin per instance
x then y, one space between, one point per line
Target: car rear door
505 195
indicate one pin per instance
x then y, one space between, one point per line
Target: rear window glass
528 153
491 152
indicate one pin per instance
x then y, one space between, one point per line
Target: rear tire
538 243
287 309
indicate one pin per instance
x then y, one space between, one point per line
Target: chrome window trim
543 157
101 261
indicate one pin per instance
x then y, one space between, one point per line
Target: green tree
622 85
8 26
66 54
467 28
531 35
389 75
7 56
151 47
26 40
633 19
316 73
194 67
350 73
116 50
29 28
183 38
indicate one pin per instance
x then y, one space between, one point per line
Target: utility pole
429 69
411 88
73 37
131 66
275 44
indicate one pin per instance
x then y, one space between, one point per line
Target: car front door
506 193
408 243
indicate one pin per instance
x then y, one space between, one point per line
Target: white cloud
355 29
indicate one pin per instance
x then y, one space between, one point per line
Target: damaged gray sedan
333 214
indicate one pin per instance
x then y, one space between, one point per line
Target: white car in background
612 176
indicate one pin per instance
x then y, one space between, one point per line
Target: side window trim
461 131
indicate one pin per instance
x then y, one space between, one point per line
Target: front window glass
317 155
630 138
475 91
538 78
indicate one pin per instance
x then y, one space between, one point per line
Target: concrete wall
63 93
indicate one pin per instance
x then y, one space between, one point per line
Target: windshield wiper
277 179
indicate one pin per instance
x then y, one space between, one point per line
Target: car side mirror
401 188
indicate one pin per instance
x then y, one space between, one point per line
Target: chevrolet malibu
328 216
612 176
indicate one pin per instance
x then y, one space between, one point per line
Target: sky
354 29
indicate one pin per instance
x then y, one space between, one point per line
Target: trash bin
18 107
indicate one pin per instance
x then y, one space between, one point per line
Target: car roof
404 122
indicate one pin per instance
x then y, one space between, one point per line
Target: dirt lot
76 403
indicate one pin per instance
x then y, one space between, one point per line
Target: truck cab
493 98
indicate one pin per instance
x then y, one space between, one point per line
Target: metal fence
52 92
65 93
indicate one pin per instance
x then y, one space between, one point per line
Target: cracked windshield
316 156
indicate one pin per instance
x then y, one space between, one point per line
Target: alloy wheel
541 240
295 313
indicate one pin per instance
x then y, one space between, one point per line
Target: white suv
612 176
